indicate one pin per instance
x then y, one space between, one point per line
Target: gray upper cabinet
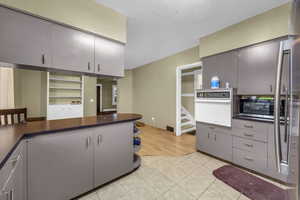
113 152
60 165
224 65
109 57
73 50
257 69
24 39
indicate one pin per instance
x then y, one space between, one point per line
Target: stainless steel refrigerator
288 159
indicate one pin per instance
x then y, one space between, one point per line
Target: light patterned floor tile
197 182
220 191
177 193
187 177
91 196
112 191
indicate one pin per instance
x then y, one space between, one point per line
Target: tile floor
170 178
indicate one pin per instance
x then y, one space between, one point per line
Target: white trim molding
179 74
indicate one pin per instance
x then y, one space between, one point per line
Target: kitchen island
62 159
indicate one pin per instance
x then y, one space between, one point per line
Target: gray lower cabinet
113 152
24 39
73 50
214 142
60 165
13 177
109 57
257 69
63 165
224 65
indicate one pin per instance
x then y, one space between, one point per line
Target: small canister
215 82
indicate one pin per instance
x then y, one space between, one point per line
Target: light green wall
84 14
263 27
125 93
31 92
30 87
154 88
107 93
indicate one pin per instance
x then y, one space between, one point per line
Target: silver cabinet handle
248 126
249 159
89 66
248 135
99 139
43 59
277 108
271 88
12 195
208 135
215 137
98 67
88 142
249 145
7 195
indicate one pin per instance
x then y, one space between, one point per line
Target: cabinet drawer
214 128
250 134
249 160
10 164
250 146
251 126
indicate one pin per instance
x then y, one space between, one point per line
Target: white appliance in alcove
214 106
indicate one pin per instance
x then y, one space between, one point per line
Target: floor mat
250 185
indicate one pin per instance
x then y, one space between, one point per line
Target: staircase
188 123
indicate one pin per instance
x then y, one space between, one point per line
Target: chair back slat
12 113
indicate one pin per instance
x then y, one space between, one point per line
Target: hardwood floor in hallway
158 142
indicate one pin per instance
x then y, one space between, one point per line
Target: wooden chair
10 114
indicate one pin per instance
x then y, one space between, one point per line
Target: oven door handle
212 101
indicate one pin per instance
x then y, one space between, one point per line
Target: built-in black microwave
259 107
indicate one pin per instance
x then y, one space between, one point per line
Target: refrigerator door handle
277 139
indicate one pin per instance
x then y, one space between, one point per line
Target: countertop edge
35 134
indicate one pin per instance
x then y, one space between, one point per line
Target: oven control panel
214 95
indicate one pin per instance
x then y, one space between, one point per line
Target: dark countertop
270 121
10 136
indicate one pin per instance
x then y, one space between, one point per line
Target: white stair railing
187 120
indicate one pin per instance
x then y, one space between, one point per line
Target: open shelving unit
136 148
65 94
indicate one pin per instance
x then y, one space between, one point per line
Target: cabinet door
257 69
203 138
113 152
109 57
224 66
72 50
24 39
60 166
223 145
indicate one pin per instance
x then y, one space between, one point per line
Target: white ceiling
159 28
